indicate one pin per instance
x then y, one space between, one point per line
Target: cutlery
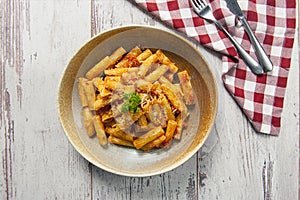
203 10
262 57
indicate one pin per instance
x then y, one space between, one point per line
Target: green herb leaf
135 98
125 107
131 102
127 96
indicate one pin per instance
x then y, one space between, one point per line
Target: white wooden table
38 38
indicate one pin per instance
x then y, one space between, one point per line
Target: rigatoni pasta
99 128
135 99
88 121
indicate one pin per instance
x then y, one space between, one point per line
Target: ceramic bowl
127 161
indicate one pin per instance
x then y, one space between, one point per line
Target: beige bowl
127 161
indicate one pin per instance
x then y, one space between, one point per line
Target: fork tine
198 4
195 5
202 3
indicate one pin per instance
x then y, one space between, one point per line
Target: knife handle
259 51
249 61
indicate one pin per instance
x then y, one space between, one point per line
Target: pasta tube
142 121
100 103
119 141
99 130
107 116
104 93
143 85
90 94
148 137
97 83
117 132
172 97
179 127
166 105
119 71
186 86
100 85
82 96
137 115
171 127
98 68
154 143
111 85
130 59
174 87
135 51
88 121
117 55
163 59
144 55
112 78
156 74
151 59
144 68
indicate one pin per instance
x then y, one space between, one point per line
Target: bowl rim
92 160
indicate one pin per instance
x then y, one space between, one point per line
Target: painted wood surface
37 40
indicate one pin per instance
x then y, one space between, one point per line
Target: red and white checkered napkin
273 22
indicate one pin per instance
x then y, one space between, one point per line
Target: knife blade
235 8
259 51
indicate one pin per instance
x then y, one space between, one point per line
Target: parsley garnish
131 102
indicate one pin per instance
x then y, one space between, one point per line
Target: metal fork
203 10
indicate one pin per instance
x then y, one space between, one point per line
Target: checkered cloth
273 22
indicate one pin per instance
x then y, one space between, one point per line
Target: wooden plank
285 176
112 13
37 160
11 71
179 183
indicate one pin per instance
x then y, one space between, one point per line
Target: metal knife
260 52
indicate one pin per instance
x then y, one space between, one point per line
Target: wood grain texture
37 39
37 160
11 64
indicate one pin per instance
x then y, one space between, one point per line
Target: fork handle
260 52
250 62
